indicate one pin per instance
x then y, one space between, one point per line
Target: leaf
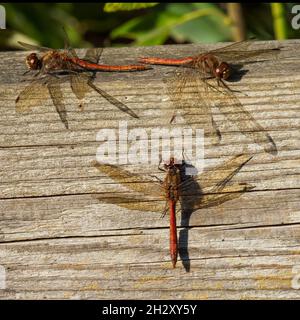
206 23
183 22
112 7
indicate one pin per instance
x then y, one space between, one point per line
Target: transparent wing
33 47
93 55
79 85
229 192
188 92
79 82
57 99
214 186
120 105
234 111
33 95
220 175
217 176
133 181
238 51
191 87
210 189
71 52
133 202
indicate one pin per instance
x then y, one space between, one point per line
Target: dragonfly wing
234 111
238 51
133 181
93 55
57 99
214 178
132 202
79 85
213 187
68 49
222 174
235 46
79 82
188 91
33 47
228 193
120 105
33 95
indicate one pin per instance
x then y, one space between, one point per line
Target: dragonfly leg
26 72
226 87
35 75
211 86
160 162
63 71
216 129
173 117
165 211
153 176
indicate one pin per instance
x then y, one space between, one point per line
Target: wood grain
58 242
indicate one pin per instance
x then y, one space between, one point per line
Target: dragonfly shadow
237 73
187 205
195 197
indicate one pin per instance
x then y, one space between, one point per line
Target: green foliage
191 22
119 24
112 7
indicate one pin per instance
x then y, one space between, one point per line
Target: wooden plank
58 241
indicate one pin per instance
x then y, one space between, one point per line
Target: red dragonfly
53 67
211 188
206 73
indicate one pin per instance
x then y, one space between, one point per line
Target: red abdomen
173 233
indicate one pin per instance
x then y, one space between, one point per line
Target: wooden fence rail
58 241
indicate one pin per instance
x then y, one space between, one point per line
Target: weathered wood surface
57 241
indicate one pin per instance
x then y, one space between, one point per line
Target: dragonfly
53 67
187 193
208 73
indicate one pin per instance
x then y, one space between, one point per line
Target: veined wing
120 105
234 111
214 186
33 95
188 92
133 202
34 47
79 82
220 175
68 49
238 51
136 182
93 55
79 85
57 99
229 192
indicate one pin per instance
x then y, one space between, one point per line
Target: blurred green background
115 24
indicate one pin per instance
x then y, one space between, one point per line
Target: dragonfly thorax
172 182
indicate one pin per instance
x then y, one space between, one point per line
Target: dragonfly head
33 62
172 164
223 71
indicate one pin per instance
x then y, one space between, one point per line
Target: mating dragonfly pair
54 67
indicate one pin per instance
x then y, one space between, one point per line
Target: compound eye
33 61
225 74
224 70
219 73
